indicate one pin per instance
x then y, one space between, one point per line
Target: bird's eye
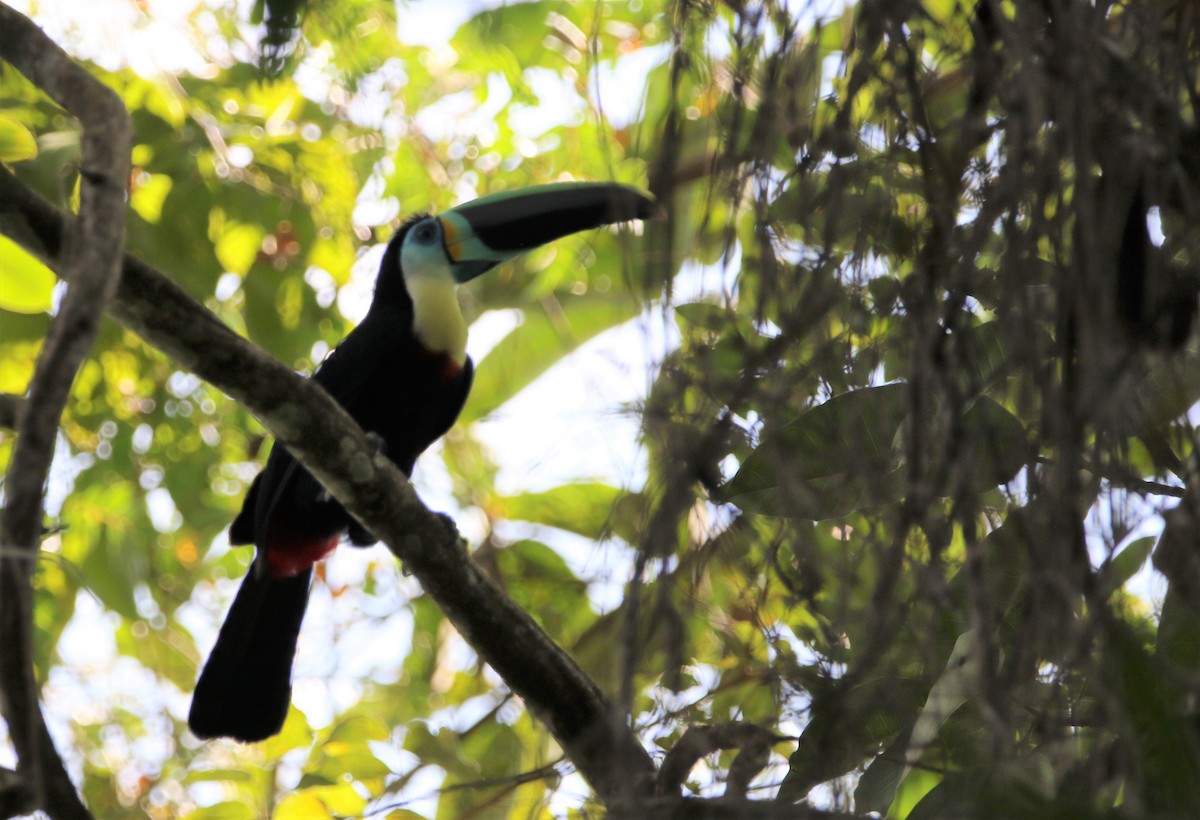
425 232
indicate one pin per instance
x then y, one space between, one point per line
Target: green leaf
714 318
492 40
834 459
540 581
296 734
877 787
912 790
303 805
993 449
218 775
441 748
952 688
148 197
588 509
846 726
228 810
1178 640
1165 393
843 456
238 247
16 141
339 800
540 341
347 751
990 351
169 652
26 285
1125 564
1161 732
357 729
104 524
358 762
25 328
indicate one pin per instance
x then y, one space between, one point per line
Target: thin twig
91 262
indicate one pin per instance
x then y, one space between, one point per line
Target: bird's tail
246 686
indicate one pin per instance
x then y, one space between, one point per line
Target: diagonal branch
323 437
91 259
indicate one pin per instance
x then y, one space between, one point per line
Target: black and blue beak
488 231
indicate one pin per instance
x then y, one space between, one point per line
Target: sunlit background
577 423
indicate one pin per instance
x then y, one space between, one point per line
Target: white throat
437 320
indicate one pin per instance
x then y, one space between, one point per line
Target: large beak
493 229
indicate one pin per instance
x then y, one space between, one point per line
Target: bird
403 374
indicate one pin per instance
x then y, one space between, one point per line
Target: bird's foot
450 526
378 442
360 536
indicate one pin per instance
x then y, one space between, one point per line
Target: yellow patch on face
449 237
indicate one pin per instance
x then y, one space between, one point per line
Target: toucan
403 374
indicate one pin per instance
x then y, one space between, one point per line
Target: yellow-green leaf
238 247
16 141
26 285
302 806
584 508
295 734
224 811
340 799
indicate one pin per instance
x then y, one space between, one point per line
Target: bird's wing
351 366
345 373
241 531
359 359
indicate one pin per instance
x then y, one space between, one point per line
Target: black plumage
405 395
404 376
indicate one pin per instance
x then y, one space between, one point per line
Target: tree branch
323 437
91 259
14 794
754 741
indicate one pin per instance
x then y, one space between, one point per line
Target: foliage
926 388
